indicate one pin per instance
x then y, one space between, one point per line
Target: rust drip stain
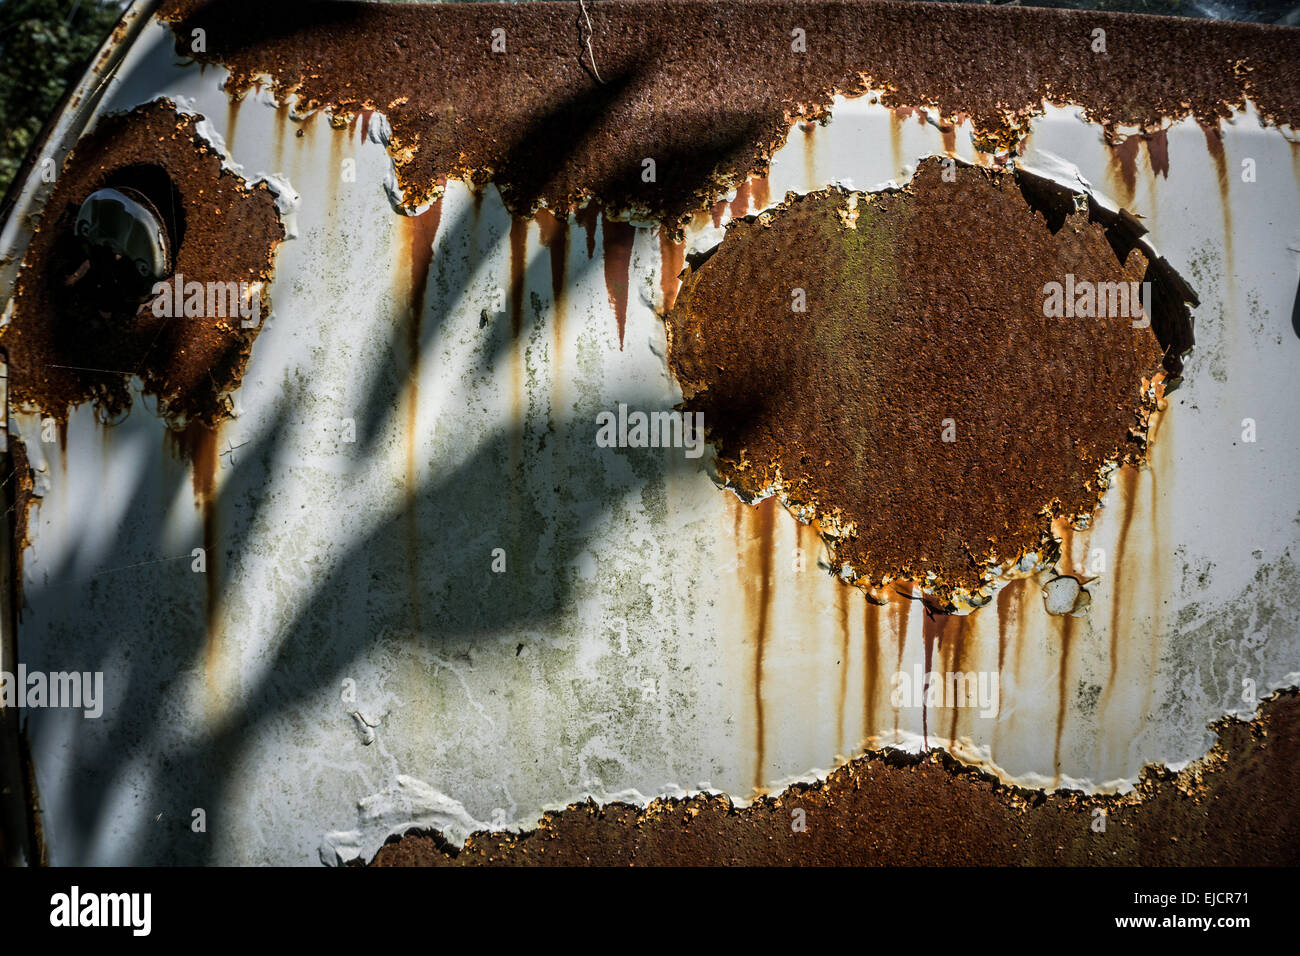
232 122
335 178
1007 598
279 127
740 205
420 233
765 518
904 613
896 137
588 218
717 211
956 664
842 610
1159 587
1067 564
1158 152
1124 163
672 257
619 237
949 132
1122 171
197 444
810 154
555 237
761 190
1065 625
518 266
1214 144
365 124
933 626
1126 480
870 667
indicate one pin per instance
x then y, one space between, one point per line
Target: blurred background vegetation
46 44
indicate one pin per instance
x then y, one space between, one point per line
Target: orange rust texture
62 351
535 119
1232 808
928 309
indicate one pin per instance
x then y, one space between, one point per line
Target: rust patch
537 119
921 406
882 809
70 342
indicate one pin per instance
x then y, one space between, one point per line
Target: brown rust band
1232 807
708 89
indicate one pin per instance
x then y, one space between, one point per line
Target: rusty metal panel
389 546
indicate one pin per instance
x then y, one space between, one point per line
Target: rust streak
1005 599
842 609
1123 167
1063 677
765 514
904 612
1214 143
672 257
232 122
810 154
618 265
555 237
196 444
421 232
1158 152
933 626
1126 479
740 205
957 659
870 667
588 218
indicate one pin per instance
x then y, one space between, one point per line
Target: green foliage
44 46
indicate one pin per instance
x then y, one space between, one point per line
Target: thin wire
591 53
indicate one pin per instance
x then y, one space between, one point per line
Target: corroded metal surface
884 363
710 89
434 600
